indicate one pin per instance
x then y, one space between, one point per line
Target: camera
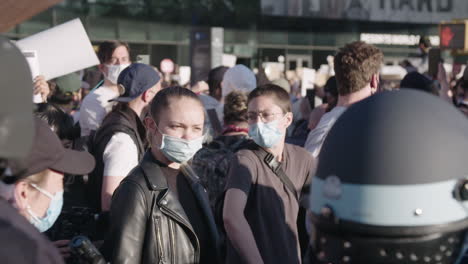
85 252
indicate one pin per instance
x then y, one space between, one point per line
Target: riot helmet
391 184
16 107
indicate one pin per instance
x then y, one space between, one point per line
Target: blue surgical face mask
55 207
266 135
179 150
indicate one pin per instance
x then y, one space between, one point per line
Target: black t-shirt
194 212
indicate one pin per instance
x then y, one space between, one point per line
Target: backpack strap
275 166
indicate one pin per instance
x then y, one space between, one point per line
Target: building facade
303 32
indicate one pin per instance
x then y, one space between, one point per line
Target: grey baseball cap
16 106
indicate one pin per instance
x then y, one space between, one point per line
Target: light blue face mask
179 150
266 135
55 207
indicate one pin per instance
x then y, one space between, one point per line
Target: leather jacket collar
168 202
152 168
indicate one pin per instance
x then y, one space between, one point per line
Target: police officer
391 184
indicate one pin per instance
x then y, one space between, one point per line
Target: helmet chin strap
463 258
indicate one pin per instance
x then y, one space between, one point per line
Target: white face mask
266 135
179 150
113 71
53 211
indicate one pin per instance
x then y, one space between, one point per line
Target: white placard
62 49
31 58
184 75
229 60
273 70
143 58
393 70
308 80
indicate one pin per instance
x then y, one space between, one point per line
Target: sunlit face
183 119
264 109
27 195
119 56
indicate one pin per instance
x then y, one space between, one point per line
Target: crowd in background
156 171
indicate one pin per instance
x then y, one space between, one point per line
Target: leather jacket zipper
182 221
159 240
173 242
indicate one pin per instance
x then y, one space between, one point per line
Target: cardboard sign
308 80
62 49
143 58
229 60
33 63
184 75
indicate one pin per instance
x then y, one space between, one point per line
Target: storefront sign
396 39
403 11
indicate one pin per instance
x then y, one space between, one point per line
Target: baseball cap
16 107
135 80
69 83
48 153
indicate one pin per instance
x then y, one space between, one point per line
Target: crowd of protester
225 171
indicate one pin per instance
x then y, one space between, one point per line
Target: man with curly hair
357 66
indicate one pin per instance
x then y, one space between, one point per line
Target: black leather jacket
149 225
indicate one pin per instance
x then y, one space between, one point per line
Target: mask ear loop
461 194
463 252
32 214
46 193
162 135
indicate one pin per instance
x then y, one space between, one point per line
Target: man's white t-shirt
317 136
95 107
120 155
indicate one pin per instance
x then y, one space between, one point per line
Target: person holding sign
41 88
